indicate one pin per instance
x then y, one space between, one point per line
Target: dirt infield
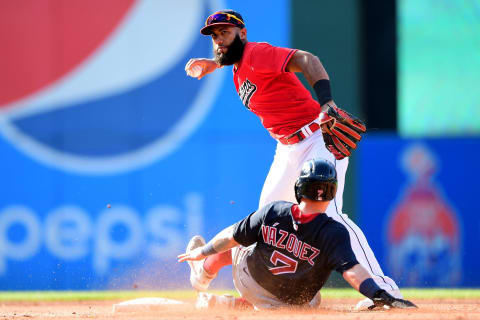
332 309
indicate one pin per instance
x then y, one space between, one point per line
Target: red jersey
277 97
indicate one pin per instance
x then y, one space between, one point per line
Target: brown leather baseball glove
341 131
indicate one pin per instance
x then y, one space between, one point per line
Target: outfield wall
112 158
418 209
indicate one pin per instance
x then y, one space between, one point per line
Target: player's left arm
361 281
223 241
314 71
308 64
341 130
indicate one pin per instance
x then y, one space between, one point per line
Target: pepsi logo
100 87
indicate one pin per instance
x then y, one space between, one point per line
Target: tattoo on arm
223 241
309 64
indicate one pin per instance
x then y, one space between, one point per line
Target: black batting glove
383 298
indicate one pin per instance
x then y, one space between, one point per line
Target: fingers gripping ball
195 71
341 131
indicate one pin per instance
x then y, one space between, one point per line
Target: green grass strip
441 293
340 293
91 295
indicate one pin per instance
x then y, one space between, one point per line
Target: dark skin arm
310 66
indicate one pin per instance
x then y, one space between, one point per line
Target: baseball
195 71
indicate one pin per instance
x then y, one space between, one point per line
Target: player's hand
383 298
341 130
206 65
195 254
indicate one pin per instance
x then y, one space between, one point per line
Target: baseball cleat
205 301
199 278
364 304
209 300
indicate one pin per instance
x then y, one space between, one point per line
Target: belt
302 134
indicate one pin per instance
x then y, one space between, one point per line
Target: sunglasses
224 17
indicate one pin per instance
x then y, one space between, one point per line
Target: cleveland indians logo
246 91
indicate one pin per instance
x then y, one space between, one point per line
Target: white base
146 304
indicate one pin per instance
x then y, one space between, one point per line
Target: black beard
234 53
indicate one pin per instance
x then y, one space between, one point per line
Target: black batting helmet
317 181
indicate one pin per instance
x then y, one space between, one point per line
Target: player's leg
279 185
365 257
364 254
286 166
251 291
207 300
202 272
359 243
281 177
246 286
217 261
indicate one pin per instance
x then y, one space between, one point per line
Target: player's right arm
207 65
223 241
245 232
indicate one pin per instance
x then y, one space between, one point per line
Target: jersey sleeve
247 231
340 254
268 58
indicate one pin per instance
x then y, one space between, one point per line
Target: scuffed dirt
332 309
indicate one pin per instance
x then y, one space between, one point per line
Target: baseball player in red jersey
264 77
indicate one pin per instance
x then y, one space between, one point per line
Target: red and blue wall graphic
417 209
112 158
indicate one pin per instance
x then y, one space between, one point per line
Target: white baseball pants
279 185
